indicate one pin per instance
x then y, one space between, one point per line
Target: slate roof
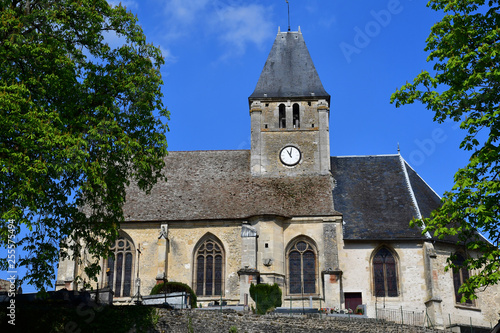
378 197
206 185
289 71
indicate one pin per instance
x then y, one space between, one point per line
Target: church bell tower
289 111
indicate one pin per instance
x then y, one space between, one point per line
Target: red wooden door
352 300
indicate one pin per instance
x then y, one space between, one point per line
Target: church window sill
467 307
300 297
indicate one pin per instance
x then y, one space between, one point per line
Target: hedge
266 296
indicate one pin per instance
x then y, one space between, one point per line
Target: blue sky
363 50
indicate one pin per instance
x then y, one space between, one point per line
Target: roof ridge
412 194
422 179
480 234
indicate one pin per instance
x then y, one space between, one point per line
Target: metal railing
400 316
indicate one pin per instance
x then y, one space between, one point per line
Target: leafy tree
79 119
465 87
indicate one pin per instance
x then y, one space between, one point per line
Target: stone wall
4 285
484 310
416 289
184 238
311 138
215 321
355 262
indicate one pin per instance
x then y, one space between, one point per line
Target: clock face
290 156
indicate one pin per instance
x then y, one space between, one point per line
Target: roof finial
288 14
399 151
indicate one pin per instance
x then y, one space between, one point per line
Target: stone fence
231 321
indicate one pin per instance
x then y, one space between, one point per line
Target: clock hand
290 152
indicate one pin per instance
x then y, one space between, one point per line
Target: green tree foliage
174 287
79 119
465 87
266 296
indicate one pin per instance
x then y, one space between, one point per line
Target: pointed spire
289 71
399 151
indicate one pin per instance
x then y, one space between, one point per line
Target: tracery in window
385 274
282 116
120 267
302 267
460 275
209 264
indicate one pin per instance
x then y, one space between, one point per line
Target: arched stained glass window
384 274
209 262
302 268
460 275
120 267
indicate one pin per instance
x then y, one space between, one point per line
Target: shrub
266 296
173 287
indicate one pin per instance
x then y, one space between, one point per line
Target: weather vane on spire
288 14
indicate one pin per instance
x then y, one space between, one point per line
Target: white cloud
167 55
185 11
243 25
235 24
182 16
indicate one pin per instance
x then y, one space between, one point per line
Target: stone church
334 229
